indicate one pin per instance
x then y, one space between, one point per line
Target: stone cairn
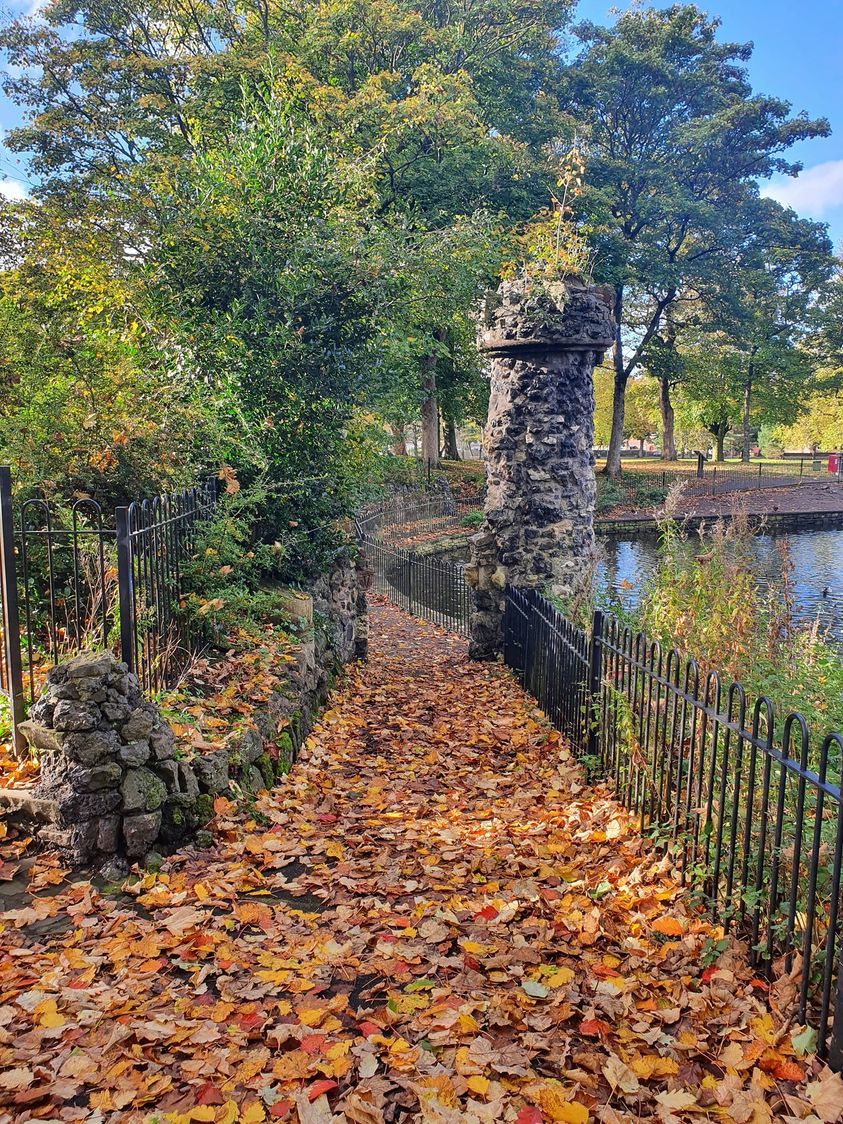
543 344
112 781
108 765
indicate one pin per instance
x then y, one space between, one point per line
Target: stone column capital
524 318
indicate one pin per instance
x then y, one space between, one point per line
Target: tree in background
451 108
96 399
675 141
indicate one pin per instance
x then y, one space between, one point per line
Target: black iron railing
718 479
430 587
72 578
155 539
748 804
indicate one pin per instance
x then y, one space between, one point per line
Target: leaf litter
430 919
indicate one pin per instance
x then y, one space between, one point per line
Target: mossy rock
286 753
204 808
264 764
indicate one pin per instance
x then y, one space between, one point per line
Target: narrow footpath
432 919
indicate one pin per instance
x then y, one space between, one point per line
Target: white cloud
14 190
815 192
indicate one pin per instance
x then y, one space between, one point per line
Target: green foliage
267 262
93 402
713 608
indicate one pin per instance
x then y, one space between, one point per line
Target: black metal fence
71 578
706 479
748 803
425 585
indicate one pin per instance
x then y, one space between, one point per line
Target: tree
676 142
269 260
451 107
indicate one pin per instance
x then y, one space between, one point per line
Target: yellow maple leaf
556 1104
48 1015
479 1084
560 977
202 1112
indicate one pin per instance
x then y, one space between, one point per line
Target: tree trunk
668 421
613 457
720 432
399 440
452 452
747 402
429 413
641 441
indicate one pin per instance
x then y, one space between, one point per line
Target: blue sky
798 56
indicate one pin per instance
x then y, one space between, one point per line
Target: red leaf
708 973
320 1087
209 1094
488 913
529 1115
281 1109
369 1028
312 1043
594 1027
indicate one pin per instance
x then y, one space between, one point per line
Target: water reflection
816 581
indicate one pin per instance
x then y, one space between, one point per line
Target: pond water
816 581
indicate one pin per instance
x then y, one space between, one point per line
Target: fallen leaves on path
431 919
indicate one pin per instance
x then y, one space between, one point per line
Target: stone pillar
543 344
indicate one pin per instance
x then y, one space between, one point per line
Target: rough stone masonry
543 343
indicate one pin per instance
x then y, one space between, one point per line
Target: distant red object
833 462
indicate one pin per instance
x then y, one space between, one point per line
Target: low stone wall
112 779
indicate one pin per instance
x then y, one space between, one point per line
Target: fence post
11 612
595 662
759 476
700 465
714 481
835 1045
125 587
801 466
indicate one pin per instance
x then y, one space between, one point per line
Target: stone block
41 737
90 665
139 725
116 707
211 771
93 778
142 791
74 717
78 840
168 771
187 780
76 806
162 742
42 710
135 753
140 832
252 779
108 834
247 747
92 747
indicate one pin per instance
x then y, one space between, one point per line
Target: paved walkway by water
432 919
